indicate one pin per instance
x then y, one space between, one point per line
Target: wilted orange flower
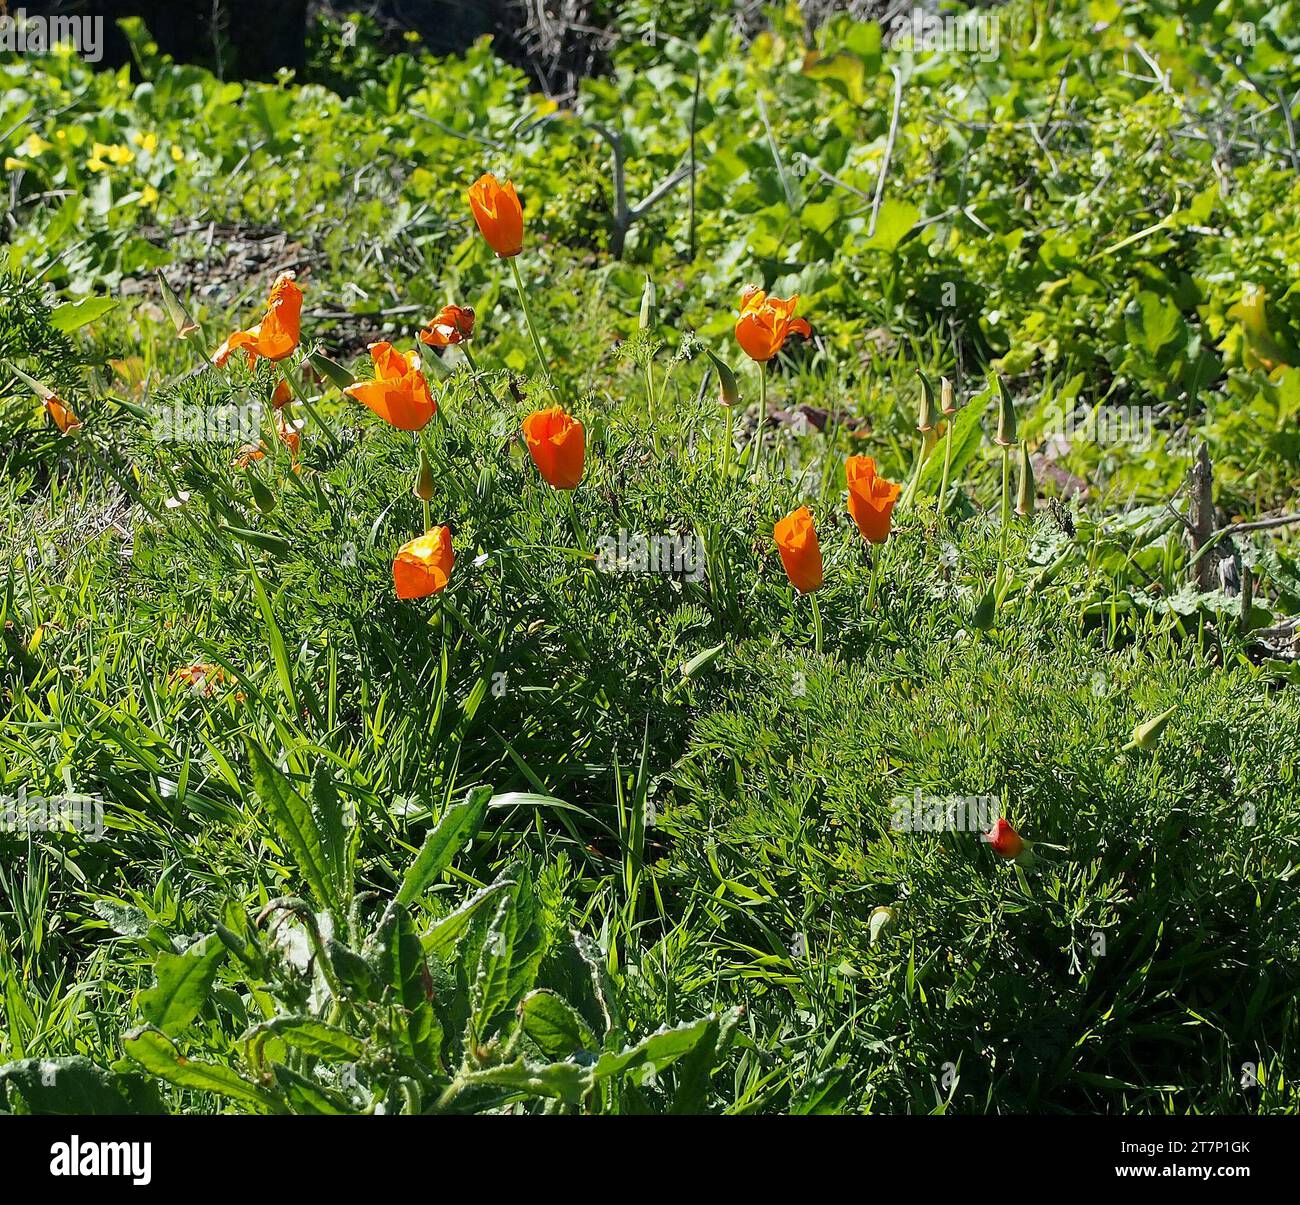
1004 840
202 677
558 446
282 396
247 454
454 324
498 213
871 498
423 565
289 436
766 322
62 414
276 335
801 555
399 394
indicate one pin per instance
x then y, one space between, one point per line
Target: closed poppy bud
1025 498
276 336
1006 435
1146 734
423 566
946 402
1004 840
648 307
453 324
330 370
879 920
282 396
871 498
801 555
424 479
498 213
176 311
926 420
399 394
766 322
62 414
728 389
557 444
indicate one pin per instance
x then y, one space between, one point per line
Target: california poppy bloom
766 322
1004 840
871 498
801 555
423 566
202 677
557 444
454 324
399 394
276 335
290 436
282 396
62 414
498 213
247 454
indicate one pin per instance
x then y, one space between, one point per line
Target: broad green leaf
156 1054
554 1025
658 1050
293 822
75 314
456 827
182 983
439 941
312 1037
75 1087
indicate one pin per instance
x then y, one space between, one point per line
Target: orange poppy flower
62 414
1004 840
766 322
276 335
498 213
557 444
282 396
399 394
871 498
423 566
454 324
801 555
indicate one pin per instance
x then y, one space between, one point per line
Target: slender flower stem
528 321
578 533
947 465
817 624
728 445
418 447
877 564
469 359
650 404
1006 495
759 458
292 378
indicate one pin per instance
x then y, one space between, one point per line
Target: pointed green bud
648 305
926 422
729 388
176 311
1006 435
946 401
424 479
334 373
1146 734
1025 498
262 494
986 610
42 391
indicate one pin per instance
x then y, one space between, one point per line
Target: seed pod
946 401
